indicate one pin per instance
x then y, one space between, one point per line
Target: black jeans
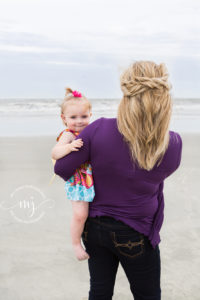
109 242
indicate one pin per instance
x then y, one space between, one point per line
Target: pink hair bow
76 94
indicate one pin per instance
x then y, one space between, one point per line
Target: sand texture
36 257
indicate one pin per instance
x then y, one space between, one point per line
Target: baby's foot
80 253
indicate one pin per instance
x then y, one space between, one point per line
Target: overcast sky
85 44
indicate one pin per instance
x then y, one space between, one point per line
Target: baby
76 113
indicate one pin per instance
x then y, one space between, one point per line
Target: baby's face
76 116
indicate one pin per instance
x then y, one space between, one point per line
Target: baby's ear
90 114
62 117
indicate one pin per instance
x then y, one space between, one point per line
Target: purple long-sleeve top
122 189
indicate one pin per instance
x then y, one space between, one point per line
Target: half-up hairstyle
71 99
144 112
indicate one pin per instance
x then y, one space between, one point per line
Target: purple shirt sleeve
159 216
154 236
180 151
176 154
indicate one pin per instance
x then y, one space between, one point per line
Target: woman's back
111 153
123 190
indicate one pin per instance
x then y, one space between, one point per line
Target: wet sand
36 257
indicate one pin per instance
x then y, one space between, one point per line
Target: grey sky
47 45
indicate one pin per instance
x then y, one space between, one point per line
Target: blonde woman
130 156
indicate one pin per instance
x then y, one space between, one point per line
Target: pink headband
76 94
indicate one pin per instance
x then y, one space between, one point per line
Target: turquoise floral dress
80 187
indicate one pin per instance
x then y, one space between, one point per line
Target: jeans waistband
109 222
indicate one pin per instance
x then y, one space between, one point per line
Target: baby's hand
76 144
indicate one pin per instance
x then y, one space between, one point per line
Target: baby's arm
65 145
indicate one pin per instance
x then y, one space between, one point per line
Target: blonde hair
71 99
144 112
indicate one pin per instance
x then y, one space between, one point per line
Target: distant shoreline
41 116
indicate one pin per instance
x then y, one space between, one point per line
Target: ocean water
24 117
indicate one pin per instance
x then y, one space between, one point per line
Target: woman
130 157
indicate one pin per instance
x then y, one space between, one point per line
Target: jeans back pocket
129 245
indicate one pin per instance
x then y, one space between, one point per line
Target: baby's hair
74 97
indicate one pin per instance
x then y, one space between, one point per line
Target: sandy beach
36 257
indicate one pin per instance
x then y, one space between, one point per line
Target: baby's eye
73 117
84 117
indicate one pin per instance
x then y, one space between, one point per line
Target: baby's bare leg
80 214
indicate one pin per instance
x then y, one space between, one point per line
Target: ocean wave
24 117
24 106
